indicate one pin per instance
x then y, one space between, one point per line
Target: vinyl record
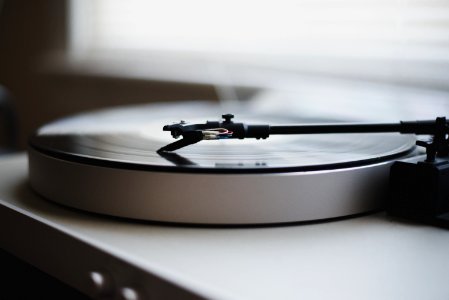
129 138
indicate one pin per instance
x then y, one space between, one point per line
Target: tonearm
228 129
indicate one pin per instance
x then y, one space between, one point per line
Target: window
396 41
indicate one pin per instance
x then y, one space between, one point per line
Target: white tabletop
369 257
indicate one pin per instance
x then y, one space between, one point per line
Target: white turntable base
370 257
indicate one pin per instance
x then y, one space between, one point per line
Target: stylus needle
189 138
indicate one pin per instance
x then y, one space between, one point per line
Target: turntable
121 162
107 163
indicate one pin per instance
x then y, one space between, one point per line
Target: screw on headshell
228 118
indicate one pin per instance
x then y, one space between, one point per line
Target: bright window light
403 37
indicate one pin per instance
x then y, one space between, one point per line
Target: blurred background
348 59
370 60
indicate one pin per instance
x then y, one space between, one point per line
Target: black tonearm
228 129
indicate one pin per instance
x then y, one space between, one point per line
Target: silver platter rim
219 199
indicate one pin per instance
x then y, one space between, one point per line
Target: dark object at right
420 191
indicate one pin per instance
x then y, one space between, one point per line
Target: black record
130 137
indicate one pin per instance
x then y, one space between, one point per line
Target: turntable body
211 198
108 162
365 257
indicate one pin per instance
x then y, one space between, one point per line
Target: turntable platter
107 162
